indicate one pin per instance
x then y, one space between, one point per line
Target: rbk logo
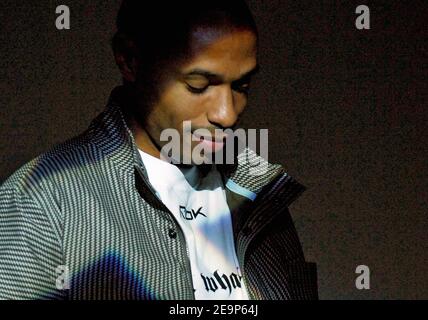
190 215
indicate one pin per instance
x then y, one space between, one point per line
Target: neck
125 96
142 138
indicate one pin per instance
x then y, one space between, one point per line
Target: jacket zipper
188 265
183 241
181 233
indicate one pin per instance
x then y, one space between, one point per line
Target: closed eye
196 90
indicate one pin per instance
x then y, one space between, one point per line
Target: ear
128 66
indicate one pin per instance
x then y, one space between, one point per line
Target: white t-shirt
199 205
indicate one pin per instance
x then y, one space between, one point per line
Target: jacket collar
111 134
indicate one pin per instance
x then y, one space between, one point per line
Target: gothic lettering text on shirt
222 282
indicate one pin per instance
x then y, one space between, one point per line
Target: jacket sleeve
276 256
30 250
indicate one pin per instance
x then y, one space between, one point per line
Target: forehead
229 54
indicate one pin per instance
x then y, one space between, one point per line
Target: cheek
186 106
178 105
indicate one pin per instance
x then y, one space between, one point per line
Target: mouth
211 143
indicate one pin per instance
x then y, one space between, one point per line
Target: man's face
210 90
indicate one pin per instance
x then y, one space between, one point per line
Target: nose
223 112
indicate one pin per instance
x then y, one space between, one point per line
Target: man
104 216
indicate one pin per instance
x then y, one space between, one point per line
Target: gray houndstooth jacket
81 222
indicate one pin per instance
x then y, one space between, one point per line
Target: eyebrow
213 76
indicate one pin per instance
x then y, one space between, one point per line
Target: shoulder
255 175
52 167
254 172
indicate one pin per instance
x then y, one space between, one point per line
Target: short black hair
160 30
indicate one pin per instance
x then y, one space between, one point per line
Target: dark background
345 109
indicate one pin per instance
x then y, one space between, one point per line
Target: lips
213 144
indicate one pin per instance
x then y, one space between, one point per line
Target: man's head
185 61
